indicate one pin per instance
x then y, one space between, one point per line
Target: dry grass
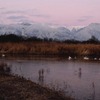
51 48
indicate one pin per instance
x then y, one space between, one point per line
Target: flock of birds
69 58
84 58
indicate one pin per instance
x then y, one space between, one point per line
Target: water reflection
41 76
80 73
93 87
48 71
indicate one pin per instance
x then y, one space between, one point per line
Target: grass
50 48
16 88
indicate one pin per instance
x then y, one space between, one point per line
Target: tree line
16 38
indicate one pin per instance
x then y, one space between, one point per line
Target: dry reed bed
52 48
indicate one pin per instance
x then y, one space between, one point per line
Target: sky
57 12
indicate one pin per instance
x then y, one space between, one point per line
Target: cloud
30 12
25 21
2 8
12 12
41 15
19 11
85 18
16 17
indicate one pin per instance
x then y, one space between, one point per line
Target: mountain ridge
46 31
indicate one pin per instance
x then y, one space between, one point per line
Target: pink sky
62 12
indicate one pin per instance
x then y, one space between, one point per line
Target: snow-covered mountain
47 31
37 30
88 31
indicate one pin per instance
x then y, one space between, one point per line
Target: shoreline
48 57
17 88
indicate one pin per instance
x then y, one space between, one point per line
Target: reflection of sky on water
78 76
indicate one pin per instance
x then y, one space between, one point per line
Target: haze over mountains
48 31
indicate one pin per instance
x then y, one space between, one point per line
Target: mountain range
48 31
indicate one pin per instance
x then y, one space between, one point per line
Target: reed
50 48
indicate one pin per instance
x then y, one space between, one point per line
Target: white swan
86 58
3 55
95 58
69 58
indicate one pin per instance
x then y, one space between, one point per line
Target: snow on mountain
7 29
88 31
47 31
35 29
75 27
62 33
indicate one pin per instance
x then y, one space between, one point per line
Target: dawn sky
60 12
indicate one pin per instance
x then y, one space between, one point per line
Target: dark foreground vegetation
12 44
16 88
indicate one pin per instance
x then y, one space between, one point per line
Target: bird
69 58
95 58
3 55
86 58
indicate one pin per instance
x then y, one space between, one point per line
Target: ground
15 88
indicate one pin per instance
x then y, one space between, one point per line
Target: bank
18 88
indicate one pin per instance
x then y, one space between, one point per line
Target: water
79 79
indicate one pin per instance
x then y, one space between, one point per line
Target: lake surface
79 79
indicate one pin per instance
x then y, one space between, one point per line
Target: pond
79 79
